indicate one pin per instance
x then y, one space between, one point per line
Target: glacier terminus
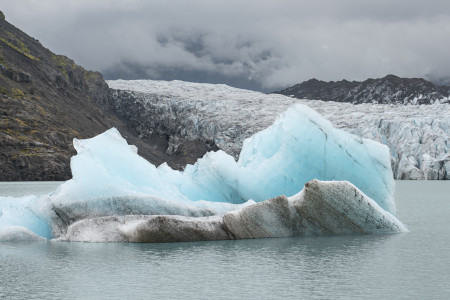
417 135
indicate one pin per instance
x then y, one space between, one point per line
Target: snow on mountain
418 135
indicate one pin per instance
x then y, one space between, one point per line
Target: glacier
418 136
116 195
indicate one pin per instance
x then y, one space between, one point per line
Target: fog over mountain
261 45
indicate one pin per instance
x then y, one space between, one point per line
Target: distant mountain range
387 90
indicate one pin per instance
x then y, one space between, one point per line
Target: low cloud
261 45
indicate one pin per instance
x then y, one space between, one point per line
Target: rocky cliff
45 101
387 90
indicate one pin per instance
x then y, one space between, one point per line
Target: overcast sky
265 44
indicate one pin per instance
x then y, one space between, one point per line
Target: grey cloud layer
257 44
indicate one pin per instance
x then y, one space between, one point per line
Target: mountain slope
387 90
46 100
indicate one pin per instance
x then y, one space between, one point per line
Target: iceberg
116 195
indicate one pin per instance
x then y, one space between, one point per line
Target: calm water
414 265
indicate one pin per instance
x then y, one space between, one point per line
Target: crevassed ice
109 178
418 135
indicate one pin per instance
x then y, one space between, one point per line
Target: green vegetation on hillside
60 62
19 47
17 93
91 76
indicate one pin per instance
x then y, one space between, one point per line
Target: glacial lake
414 265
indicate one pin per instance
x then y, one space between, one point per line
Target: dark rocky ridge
46 100
155 127
387 90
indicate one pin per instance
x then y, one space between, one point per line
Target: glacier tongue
418 135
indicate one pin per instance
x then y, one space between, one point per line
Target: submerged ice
113 185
